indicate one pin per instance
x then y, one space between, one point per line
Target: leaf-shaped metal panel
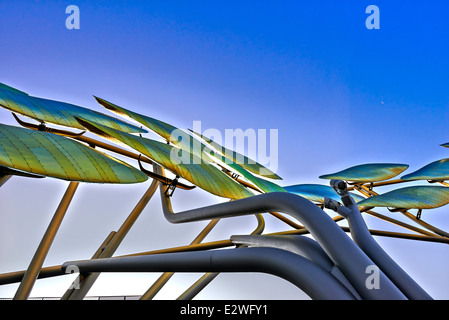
185 141
263 185
57 112
59 157
161 128
437 170
414 197
6 87
370 172
240 159
178 161
317 192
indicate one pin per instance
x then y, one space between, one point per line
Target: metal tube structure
162 280
366 242
301 245
310 278
351 260
207 278
88 281
35 266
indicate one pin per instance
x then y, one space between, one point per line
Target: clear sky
338 93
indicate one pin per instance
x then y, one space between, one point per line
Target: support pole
4 179
163 279
86 282
35 266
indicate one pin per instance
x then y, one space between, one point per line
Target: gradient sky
338 93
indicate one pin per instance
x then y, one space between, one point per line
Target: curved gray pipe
300 245
313 280
366 242
351 260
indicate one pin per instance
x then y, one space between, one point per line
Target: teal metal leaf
168 132
240 159
56 112
317 192
6 87
178 161
187 142
437 170
55 156
414 197
370 172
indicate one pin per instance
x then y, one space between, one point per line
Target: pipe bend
313 280
363 238
351 260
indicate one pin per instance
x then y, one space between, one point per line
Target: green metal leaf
55 156
178 161
56 112
370 172
165 130
6 87
317 192
415 197
437 170
240 159
187 142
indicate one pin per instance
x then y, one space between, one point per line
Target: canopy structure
200 173
326 264
185 141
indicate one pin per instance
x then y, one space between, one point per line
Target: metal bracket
44 128
171 187
171 183
418 214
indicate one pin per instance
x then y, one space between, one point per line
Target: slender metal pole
4 179
35 266
163 279
88 281
207 278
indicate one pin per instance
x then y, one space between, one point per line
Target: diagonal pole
162 280
35 266
87 281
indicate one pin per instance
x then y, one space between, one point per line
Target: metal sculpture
327 265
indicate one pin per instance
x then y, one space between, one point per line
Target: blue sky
338 93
